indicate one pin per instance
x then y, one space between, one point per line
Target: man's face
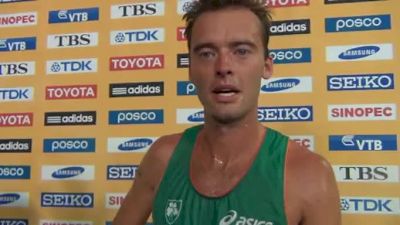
227 63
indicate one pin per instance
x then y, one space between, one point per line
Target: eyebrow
197 47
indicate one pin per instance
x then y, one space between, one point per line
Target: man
232 169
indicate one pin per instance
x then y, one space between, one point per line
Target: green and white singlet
258 198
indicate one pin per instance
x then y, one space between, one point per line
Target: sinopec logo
362 112
16 94
15 146
71 92
14 199
367 173
287 85
14 221
22 68
304 140
15 172
138 62
70 118
114 200
74 40
18 19
185 88
152 116
362 142
137 10
57 172
74 15
73 145
285 114
16 119
64 222
368 205
291 55
88 65
286 27
348 1
185 116
286 3
17 44
121 172
123 37
358 23
180 34
182 60
68 200
360 82
137 89
127 144
359 52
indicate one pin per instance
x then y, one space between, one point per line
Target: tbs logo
287 85
286 3
367 173
74 15
285 114
14 199
18 20
189 116
363 142
134 144
69 145
359 52
16 119
114 200
360 82
68 200
72 40
85 172
291 55
185 88
17 44
16 94
121 172
367 205
71 66
136 116
23 68
358 23
137 10
150 35
15 172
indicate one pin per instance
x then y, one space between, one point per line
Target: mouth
225 92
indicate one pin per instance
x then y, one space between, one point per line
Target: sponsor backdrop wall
87 86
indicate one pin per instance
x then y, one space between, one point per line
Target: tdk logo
15 146
26 68
70 118
182 60
286 27
133 144
367 205
347 1
114 200
69 200
72 40
362 112
64 222
185 88
14 199
286 3
291 55
285 114
16 94
14 222
74 15
71 66
15 172
367 173
71 92
360 82
84 172
359 52
72 145
17 44
358 23
137 10
121 172
287 85
150 35
362 142
18 20
183 6
137 89
16 119
184 116
138 62
151 116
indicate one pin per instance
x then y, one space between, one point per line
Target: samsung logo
71 66
74 15
14 199
189 116
14 222
358 23
359 52
286 27
68 200
18 19
73 145
22 68
137 89
362 112
121 172
185 88
127 144
287 85
360 82
64 222
17 44
151 35
291 55
15 145
137 10
370 205
363 142
16 94
151 116
285 114
70 118
15 172
55 172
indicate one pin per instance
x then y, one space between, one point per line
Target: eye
242 51
206 53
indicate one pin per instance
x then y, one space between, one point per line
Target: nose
223 64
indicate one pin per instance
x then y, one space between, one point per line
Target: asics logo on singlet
232 218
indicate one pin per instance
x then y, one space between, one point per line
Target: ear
268 68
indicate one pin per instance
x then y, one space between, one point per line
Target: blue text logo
74 15
121 172
17 44
357 23
360 82
362 142
69 145
15 172
136 116
285 114
291 55
71 200
186 88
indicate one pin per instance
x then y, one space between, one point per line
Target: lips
226 93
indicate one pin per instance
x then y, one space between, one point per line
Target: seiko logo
17 44
134 144
72 66
15 145
186 88
17 68
137 62
137 89
16 119
232 218
150 35
367 205
363 142
18 19
71 92
292 55
16 94
121 172
348 1
114 200
287 85
70 118
14 199
189 116
15 172
360 82
182 60
358 23
14 222
362 112
74 15
367 173
305 141
136 116
180 34
64 222
290 27
69 145
286 3
72 40
85 172
359 52
137 10
76 200
285 113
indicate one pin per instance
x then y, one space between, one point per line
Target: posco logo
14 222
285 114
359 52
137 36
362 142
139 144
360 82
121 172
358 23
287 84
84 172
69 145
70 200
74 15
14 199
291 55
136 116
15 172
185 88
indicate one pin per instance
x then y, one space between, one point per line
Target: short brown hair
198 7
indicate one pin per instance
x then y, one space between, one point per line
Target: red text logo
137 62
71 92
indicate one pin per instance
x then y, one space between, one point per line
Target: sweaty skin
227 65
